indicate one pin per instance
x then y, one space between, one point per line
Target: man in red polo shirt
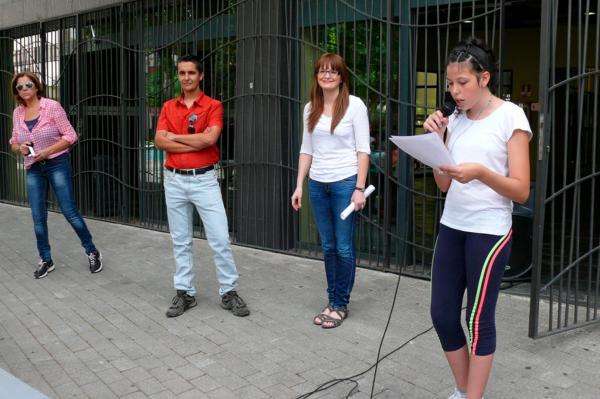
188 129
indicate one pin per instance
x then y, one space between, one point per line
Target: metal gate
565 285
112 68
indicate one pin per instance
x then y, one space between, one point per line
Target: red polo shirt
175 116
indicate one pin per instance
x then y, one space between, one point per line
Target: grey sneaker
95 259
180 303
232 301
43 269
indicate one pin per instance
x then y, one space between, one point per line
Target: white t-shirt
474 206
334 156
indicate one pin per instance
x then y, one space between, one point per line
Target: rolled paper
350 208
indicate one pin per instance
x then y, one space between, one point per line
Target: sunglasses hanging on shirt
191 128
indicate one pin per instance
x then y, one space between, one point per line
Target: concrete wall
21 12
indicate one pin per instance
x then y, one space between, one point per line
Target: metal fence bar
112 69
565 285
118 62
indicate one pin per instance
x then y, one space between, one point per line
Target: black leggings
476 262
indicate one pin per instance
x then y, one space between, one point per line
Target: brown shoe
333 322
318 320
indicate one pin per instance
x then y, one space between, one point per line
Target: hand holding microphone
438 120
350 208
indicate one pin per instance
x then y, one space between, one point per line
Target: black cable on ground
335 381
387 324
331 383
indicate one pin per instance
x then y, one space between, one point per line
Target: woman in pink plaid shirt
43 135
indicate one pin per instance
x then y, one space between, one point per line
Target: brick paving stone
193 394
189 372
98 390
222 393
163 395
123 387
110 375
163 373
70 391
178 385
136 374
206 383
135 395
251 392
150 386
279 391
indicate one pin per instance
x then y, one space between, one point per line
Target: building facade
112 64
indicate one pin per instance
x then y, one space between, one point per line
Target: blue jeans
182 194
328 200
55 172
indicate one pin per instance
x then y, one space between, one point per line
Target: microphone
448 108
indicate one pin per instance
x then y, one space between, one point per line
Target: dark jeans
55 172
328 200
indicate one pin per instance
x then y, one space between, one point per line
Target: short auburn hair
34 79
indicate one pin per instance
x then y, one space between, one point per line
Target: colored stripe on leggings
484 279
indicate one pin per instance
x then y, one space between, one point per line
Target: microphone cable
333 382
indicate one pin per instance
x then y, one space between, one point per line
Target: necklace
482 109
459 134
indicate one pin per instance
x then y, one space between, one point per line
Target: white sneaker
458 394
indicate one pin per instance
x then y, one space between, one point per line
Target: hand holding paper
427 148
350 208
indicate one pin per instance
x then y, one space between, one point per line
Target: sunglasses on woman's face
27 85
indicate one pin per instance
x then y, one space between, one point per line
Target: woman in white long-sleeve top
335 149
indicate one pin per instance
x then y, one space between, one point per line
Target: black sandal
318 320
343 314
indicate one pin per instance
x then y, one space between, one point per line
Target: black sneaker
43 269
95 259
232 301
181 302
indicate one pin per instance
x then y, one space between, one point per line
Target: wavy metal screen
112 69
566 279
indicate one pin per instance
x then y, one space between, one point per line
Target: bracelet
361 189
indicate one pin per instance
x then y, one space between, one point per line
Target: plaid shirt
52 126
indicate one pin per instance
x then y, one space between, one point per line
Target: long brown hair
34 79
317 103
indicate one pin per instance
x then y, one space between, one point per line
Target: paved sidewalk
78 335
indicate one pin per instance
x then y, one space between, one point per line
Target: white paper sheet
428 148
